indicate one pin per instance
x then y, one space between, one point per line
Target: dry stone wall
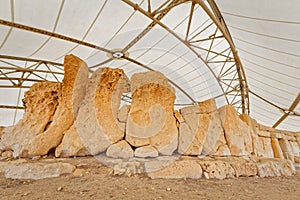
82 116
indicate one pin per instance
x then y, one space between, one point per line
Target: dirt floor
96 183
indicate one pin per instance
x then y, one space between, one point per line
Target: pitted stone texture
73 91
146 151
217 169
254 130
243 166
71 145
237 133
120 150
151 120
40 104
38 170
181 169
201 131
275 167
97 123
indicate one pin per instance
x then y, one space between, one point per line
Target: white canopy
186 40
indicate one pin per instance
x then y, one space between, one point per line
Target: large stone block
237 133
151 120
254 130
40 102
71 145
243 166
201 131
181 169
268 167
217 169
73 91
37 171
97 123
295 148
267 150
276 148
286 149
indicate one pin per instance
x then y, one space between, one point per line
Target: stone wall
82 116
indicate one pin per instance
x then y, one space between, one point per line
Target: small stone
36 158
59 189
146 151
168 189
78 172
120 150
7 154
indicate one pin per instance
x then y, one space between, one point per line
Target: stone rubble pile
82 116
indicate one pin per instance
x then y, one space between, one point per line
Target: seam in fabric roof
261 19
265 35
54 28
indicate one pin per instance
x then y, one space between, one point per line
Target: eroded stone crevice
82 116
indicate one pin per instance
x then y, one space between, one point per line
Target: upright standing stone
267 148
276 148
254 130
286 149
73 91
237 133
71 144
201 131
97 123
40 104
151 120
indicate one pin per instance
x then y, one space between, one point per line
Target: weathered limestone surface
4 166
40 104
217 169
201 131
254 130
276 148
180 169
38 170
151 120
73 91
275 167
243 166
145 151
237 133
97 123
71 145
295 148
267 150
286 149
123 113
120 150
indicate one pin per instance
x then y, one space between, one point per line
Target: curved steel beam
51 34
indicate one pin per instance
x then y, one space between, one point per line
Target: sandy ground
96 183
